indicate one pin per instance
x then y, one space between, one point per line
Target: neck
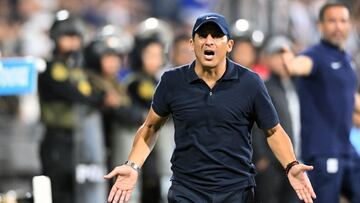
340 46
210 73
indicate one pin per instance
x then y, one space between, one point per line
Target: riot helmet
65 24
67 32
109 40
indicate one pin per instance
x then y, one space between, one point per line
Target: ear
230 45
320 27
191 41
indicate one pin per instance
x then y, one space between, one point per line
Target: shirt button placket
211 98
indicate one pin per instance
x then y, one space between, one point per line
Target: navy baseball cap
218 19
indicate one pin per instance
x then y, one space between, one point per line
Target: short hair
181 37
327 6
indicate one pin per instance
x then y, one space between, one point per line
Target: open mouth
209 53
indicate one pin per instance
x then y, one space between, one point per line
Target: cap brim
211 21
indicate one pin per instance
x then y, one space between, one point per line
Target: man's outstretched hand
126 179
301 183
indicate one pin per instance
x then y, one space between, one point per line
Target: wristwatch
133 165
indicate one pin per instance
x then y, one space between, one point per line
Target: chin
208 64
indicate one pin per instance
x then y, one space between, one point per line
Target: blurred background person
105 56
66 99
246 53
147 59
326 87
181 53
272 185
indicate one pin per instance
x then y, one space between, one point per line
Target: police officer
146 61
61 87
104 58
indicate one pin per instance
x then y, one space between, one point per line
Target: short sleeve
265 114
159 103
313 57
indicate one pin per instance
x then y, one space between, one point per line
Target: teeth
209 53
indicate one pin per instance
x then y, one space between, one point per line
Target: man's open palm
301 183
126 179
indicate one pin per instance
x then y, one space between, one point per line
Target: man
67 103
245 53
180 52
272 185
214 104
326 93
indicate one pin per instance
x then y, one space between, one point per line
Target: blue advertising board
18 76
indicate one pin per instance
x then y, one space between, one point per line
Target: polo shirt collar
329 44
230 73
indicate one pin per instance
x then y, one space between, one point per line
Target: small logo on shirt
335 65
210 17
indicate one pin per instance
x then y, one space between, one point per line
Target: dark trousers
57 159
329 185
179 193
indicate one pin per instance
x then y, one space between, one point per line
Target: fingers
111 174
310 188
112 193
117 196
304 195
306 192
307 197
123 195
299 194
306 167
128 195
120 196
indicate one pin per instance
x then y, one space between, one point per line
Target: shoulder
175 74
313 51
246 75
247 80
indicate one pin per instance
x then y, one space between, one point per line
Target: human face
211 46
153 58
110 64
69 43
275 64
244 53
182 53
336 25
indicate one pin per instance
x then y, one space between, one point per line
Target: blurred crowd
104 60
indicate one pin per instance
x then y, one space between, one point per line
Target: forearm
296 65
357 103
356 119
146 137
143 144
281 146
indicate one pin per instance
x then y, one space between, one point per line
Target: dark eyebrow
214 31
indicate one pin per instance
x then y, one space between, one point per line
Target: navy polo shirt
327 102
213 126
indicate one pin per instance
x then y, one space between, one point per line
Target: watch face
133 165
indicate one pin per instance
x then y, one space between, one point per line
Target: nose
209 40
